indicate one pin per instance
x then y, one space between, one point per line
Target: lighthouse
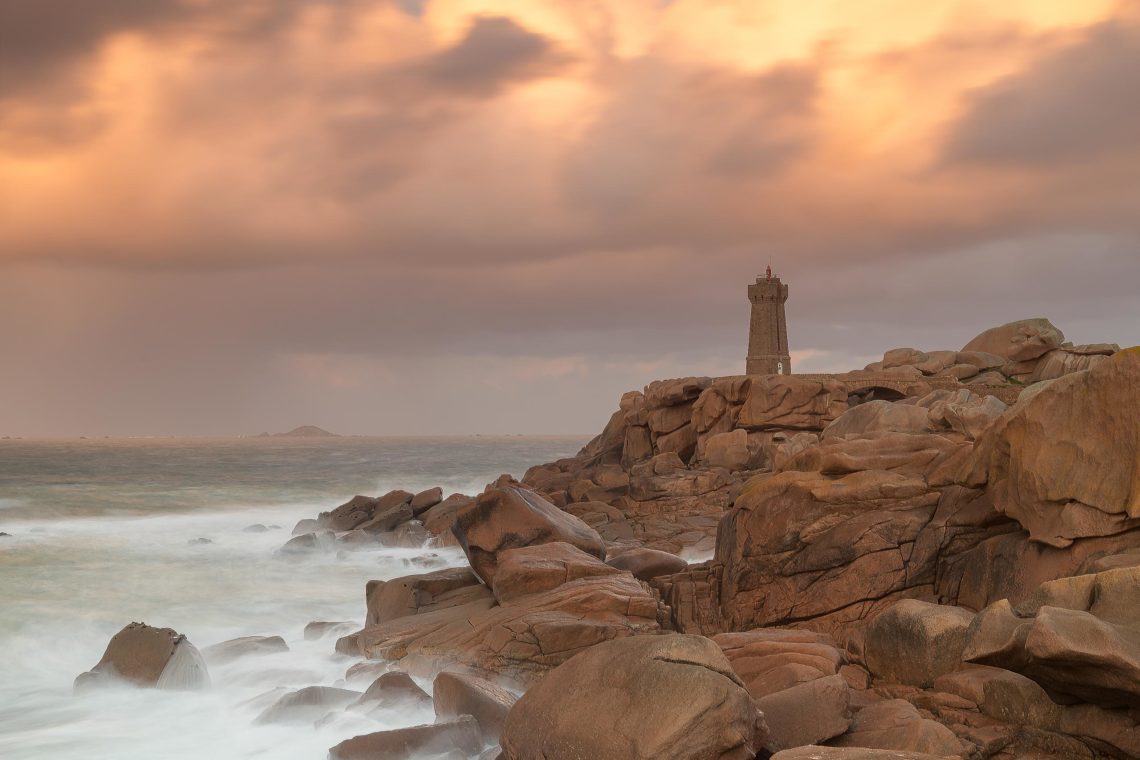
768 331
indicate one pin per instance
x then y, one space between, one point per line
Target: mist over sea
104 532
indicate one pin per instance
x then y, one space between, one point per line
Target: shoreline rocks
149 657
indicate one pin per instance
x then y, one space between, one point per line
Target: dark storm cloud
495 51
42 38
1081 102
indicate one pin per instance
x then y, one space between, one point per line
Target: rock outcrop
152 657
856 525
1065 462
460 735
512 517
640 698
552 601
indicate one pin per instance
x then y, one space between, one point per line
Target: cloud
495 51
435 217
38 38
1079 103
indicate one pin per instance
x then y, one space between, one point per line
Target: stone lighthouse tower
768 333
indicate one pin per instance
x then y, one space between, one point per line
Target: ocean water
104 532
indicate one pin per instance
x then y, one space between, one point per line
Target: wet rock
523 638
439 519
461 734
307 705
360 510
646 564
457 693
199 541
318 630
307 525
357 510
308 543
425 500
637 698
421 593
228 651
384 520
255 528
409 535
395 688
535 569
151 657
914 642
511 517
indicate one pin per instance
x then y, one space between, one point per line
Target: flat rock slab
404 743
228 651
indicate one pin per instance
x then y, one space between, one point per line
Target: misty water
104 532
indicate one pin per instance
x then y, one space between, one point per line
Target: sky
403 217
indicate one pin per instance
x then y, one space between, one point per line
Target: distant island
305 431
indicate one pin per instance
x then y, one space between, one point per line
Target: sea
105 532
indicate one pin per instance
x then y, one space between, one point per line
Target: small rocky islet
937 556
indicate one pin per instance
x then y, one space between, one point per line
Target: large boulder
420 593
147 656
639 698
510 517
647 564
307 705
1069 652
1065 460
227 651
896 725
794 677
425 500
914 642
1018 341
790 402
770 660
535 569
437 739
527 633
879 417
962 411
361 509
807 713
1001 694
851 753
457 693
394 688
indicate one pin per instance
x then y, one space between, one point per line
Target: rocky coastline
935 556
